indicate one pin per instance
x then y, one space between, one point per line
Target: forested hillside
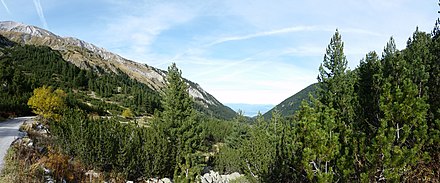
26 67
292 104
87 56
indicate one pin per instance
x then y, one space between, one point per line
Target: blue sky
241 51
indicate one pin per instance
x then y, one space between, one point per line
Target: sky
240 51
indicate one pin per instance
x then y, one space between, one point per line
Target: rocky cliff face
88 56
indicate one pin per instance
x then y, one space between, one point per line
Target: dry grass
17 167
426 171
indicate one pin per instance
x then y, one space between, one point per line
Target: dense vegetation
379 122
24 68
171 145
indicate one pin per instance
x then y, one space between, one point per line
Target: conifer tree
336 90
316 138
402 130
180 126
368 92
434 93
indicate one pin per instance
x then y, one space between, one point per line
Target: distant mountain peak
28 29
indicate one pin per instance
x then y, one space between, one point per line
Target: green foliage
111 146
180 124
228 160
336 90
25 67
403 129
434 93
320 141
376 123
368 93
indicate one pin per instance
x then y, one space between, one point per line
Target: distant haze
251 110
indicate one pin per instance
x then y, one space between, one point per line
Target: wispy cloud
361 31
265 33
143 24
40 13
290 30
6 7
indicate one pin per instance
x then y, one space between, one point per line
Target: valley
250 110
99 117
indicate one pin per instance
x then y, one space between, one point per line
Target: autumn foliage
47 102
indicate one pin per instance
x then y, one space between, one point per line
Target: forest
377 123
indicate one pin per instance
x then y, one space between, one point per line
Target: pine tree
368 92
180 126
368 114
402 130
418 56
336 90
434 96
316 137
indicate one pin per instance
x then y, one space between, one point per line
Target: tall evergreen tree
368 113
336 90
418 56
402 130
434 91
368 92
180 126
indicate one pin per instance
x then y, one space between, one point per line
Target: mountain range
90 57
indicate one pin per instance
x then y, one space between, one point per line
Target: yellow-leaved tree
47 102
127 113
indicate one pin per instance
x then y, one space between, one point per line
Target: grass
2 119
10 167
16 169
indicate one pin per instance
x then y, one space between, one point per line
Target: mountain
289 106
92 58
250 110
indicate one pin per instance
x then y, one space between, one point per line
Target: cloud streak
289 30
265 33
6 7
40 13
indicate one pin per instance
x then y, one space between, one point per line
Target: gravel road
8 133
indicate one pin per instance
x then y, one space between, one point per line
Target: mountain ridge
90 57
290 105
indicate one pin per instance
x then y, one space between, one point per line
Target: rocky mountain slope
289 106
88 56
